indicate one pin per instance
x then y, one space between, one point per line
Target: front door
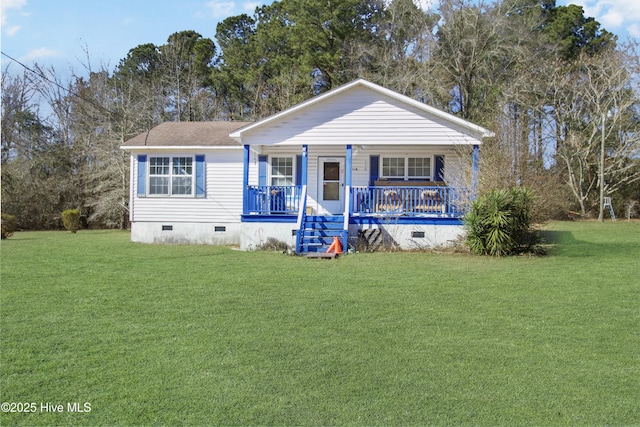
331 184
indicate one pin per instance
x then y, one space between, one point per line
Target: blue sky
58 33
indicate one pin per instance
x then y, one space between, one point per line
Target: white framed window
282 171
393 167
419 167
406 168
159 175
171 176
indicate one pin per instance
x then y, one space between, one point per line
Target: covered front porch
426 197
417 202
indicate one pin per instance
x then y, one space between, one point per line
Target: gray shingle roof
186 134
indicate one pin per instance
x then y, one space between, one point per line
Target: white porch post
347 177
347 196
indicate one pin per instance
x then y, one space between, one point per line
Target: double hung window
171 176
282 171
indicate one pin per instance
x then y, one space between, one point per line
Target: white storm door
331 184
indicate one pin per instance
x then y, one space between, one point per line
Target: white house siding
360 116
191 219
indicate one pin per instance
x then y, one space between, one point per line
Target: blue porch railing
409 201
274 199
366 201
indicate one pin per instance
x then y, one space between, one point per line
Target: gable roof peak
360 82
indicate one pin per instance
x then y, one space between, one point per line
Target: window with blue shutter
167 176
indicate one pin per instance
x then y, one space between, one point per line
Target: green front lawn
200 335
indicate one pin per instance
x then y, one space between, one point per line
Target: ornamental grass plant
499 223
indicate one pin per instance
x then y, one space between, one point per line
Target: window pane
331 171
281 181
182 165
419 167
181 185
393 166
159 166
158 185
331 191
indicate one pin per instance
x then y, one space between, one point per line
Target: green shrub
9 225
71 220
499 223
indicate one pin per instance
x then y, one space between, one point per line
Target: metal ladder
607 202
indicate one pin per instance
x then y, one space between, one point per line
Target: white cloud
634 30
616 16
39 54
250 6
12 30
5 6
221 9
612 19
426 4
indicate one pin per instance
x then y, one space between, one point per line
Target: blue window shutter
374 168
262 170
298 180
200 189
439 169
142 175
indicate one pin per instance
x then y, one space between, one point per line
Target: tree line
553 85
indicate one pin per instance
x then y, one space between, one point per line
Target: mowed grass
200 335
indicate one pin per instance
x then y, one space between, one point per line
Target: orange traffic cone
336 246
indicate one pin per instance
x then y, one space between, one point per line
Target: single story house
360 162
